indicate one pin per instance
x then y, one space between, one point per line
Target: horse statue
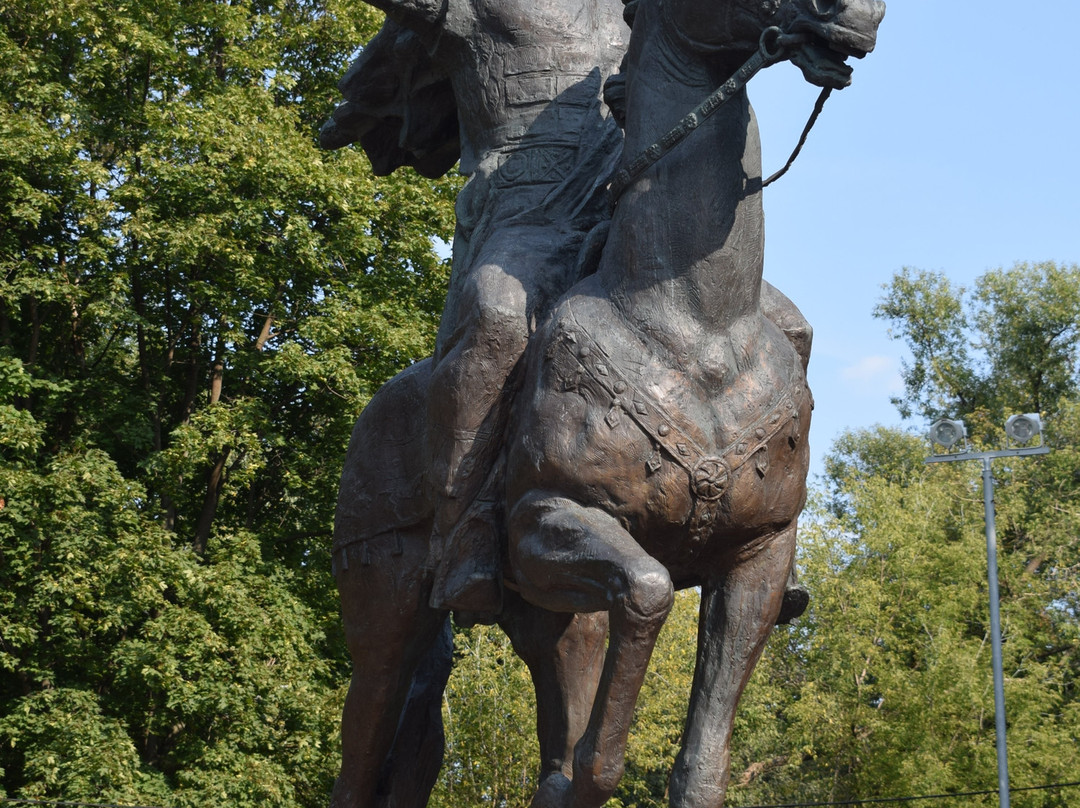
657 442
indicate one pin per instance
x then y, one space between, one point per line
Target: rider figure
539 147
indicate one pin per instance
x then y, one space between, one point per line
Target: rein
772 48
818 105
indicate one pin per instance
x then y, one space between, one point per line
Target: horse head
824 33
817 35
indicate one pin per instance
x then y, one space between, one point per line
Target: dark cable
866 801
882 800
15 801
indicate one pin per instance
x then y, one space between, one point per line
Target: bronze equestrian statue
540 149
658 438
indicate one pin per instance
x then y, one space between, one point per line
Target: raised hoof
796 599
554 792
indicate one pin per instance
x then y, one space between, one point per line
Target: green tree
492 756
884 688
1008 345
195 303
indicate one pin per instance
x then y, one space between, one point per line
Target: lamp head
1022 429
947 433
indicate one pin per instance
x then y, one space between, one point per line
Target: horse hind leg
390 630
565 654
410 770
571 558
738 612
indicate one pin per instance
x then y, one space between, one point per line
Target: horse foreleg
571 558
389 629
737 614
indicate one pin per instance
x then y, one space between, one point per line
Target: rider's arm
422 16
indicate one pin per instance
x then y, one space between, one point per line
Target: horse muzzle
832 30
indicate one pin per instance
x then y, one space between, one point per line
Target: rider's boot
468 576
467 579
796 599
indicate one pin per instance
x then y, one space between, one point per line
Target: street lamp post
1021 429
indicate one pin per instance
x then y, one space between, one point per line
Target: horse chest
619 430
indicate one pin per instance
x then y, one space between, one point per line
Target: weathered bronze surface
617 406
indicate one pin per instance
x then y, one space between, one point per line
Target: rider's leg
571 558
467 416
491 309
738 613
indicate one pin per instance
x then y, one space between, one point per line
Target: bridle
774 46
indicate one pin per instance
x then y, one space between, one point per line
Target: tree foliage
1010 343
491 752
195 303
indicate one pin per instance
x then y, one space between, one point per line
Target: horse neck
688 235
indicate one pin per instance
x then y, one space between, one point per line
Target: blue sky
957 148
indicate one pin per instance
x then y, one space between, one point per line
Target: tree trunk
216 476
217 373
264 334
5 325
35 330
214 480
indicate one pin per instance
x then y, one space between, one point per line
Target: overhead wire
27 801
887 800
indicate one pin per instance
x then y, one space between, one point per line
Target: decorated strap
772 47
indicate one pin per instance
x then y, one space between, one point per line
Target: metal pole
995 598
995 633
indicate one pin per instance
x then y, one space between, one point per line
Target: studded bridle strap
772 47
